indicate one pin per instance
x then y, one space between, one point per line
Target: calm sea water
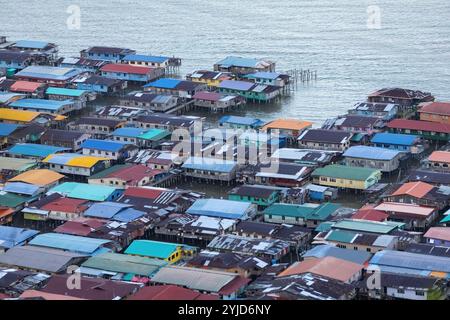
412 48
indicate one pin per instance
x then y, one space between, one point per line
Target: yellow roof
289 124
17 115
59 117
84 161
40 177
438 274
74 160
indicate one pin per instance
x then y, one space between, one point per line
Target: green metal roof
345 172
11 200
155 249
368 226
322 212
154 134
124 263
110 170
341 236
324 226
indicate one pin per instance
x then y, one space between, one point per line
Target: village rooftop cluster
357 207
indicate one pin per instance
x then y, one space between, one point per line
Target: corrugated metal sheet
395 139
52 105
17 115
7 128
105 145
236 85
68 242
164 83
197 279
21 188
65 92
84 191
220 208
364 152
209 164
34 150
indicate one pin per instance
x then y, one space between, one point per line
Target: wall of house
324 146
344 183
440 166
434 117
383 165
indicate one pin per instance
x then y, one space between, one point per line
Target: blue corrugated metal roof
34 150
21 188
236 85
7 128
40 104
220 208
164 83
209 164
65 92
128 132
105 210
395 139
69 242
32 44
7 96
322 251
128 215
145 58
106 145
241 120
239 62
11 236
365 152
263 75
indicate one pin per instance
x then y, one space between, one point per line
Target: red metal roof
441 108
91 288
209 96
66 205
170 292
439 233
133 174
80 228
25 86
440 156
415 189
234 286
125 68
371 215
419 125
149 193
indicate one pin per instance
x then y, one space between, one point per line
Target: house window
400 290
420 293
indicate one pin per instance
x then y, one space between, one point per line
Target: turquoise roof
155 249
84 191
341 236
321 212
446 219
65 92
